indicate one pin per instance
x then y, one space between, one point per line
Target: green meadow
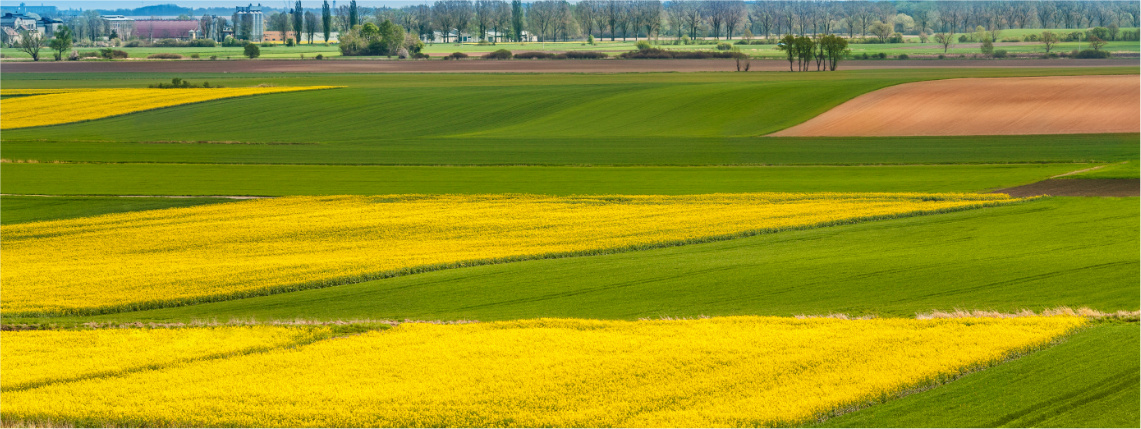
656 133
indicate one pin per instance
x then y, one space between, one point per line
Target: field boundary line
232 197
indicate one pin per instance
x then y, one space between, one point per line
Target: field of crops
114 262
39 107
742 371
553 250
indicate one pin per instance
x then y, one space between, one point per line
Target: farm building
123 26
181 29
277 36
249 23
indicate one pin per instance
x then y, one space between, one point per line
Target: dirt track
1001 106
512 66
1078 188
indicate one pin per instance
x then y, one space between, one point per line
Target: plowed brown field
963 107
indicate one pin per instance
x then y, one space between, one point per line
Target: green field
656 133
1091 380
16 209
279 180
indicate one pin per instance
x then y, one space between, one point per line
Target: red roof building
166 28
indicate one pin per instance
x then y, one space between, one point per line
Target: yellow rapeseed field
732 371
53 107
31 358
155 258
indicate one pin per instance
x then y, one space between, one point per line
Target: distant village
252 22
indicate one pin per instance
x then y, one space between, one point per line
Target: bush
289 42
643 45
685 40
213 57
1000 53
1090 53
501 54
455 56
420 56
320 57
895 38
941 56
112 54
133 44
164 56
724 46
252 51
585 55
535 56
195 56
267 44
166 43
1051 55
880 55
590 39
903 56
201 43
1033 37
964 39
402 53
662 54
179 83
230 41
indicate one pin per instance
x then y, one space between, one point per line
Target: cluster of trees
384 39
826 51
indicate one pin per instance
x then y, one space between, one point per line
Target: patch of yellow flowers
52 107
156 258
32 358
731 371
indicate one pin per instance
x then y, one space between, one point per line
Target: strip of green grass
604 151
1091 380
1125 170
19 209
417 107
277 180
1040 254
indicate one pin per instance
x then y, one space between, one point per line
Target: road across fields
507 66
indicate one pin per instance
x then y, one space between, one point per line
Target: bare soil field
992 106
1078 188
507 66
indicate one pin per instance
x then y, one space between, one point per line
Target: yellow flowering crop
75 105
33 358
732 371
156 258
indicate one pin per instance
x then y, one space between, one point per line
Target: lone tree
298 20
326 20
946 39
252 51
1049 38
354 15
788 45
62 42
31 43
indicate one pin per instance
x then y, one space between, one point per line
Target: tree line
501 20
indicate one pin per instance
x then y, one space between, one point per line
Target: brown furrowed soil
506 66
1077 188
996 106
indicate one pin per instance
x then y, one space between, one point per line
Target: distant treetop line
546 20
